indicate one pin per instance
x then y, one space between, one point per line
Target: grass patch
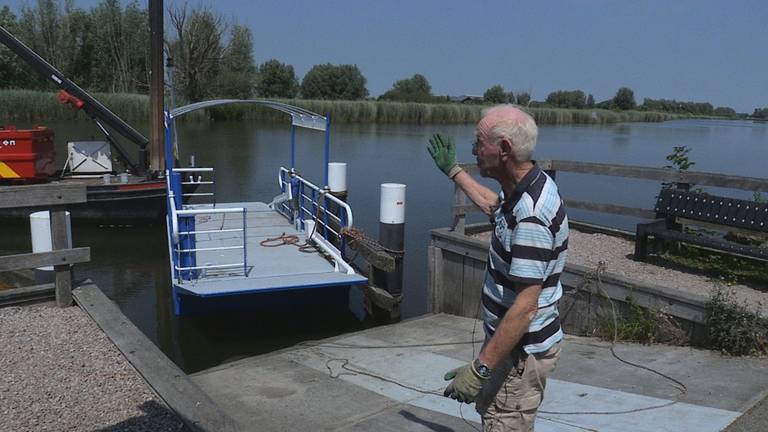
733 327
635 323
39 106
727 268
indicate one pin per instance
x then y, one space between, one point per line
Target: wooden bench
707 210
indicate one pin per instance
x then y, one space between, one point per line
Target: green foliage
761 113
681 107
679 158
334 82
679 161
725 112
197 50
567 99
36 106
414 89
624 99
734 328
635 323
276 80
717 265
523 98
590 101
238 73
497 95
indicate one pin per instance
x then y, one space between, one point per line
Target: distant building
466 99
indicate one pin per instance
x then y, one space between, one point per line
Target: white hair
521 130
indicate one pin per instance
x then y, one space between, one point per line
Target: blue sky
704 50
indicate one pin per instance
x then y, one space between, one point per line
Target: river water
130 263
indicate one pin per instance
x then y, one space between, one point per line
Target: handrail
179 249
753 184
335 200
199 182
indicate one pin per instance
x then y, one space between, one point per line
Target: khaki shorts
508 402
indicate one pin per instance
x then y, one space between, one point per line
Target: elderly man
522 278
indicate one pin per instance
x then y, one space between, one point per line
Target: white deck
269 268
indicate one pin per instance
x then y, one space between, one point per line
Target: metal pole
156 85
293 145
327 144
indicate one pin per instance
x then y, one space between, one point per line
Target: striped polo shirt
528 246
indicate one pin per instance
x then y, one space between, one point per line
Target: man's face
488 155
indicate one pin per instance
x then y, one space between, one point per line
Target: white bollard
392 204
392 237
337 176
42 241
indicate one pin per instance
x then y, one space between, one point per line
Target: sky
705 51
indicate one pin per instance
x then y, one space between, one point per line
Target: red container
26 154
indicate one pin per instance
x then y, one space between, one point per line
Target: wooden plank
472 287
453 276
610 208
193 406
377 258
462 249
27 295
42 195
42 259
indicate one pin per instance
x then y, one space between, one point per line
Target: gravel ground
60 372
589 249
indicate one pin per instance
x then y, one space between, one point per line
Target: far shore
41 106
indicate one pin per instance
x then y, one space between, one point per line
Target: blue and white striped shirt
528 246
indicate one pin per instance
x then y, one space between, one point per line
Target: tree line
104 49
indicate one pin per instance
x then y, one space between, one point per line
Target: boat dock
390 378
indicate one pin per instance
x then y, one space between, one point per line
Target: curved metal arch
299 116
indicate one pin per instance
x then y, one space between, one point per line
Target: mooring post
392 238
337 184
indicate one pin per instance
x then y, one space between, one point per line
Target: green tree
624 99
590 101
121 41
12 75
523 98
725 112
413 89
761 113
329 81
496 95
238 72
567 99
276 79
197 50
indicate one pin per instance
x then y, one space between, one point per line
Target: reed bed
39 106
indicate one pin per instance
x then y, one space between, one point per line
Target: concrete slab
390 378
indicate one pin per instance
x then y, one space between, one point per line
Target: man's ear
506 147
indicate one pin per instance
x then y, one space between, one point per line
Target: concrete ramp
390 378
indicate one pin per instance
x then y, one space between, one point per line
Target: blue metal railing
308 201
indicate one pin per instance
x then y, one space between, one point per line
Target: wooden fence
55 198
461 206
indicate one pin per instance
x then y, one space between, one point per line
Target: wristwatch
482 369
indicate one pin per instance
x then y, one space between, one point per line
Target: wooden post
156 85
60 241
459 200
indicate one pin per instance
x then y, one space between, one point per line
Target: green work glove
443 151
466 383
